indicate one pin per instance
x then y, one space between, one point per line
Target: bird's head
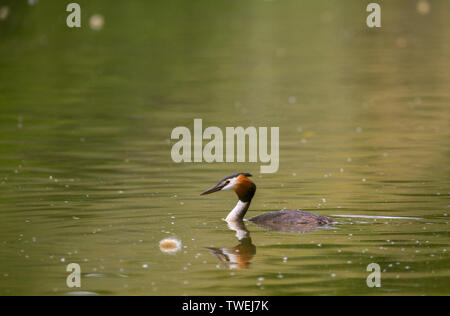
239 182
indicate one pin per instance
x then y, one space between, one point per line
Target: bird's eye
228 181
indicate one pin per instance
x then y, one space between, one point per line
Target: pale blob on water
4 13
423 7
96 22
170 245
401 42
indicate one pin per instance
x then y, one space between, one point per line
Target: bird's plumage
284 220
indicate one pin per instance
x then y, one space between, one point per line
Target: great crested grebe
284 220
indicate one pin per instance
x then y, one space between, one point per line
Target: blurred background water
86 174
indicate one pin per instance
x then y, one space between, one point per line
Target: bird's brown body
294 221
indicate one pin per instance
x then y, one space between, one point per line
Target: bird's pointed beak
215 188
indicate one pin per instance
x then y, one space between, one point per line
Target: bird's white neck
238 213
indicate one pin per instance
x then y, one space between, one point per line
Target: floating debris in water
96 22
423 7
170 245
401 42
4 13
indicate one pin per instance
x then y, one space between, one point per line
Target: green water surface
86 174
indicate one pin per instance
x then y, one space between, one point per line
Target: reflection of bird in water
238 256
295 221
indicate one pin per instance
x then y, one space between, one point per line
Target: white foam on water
376 217
82 293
